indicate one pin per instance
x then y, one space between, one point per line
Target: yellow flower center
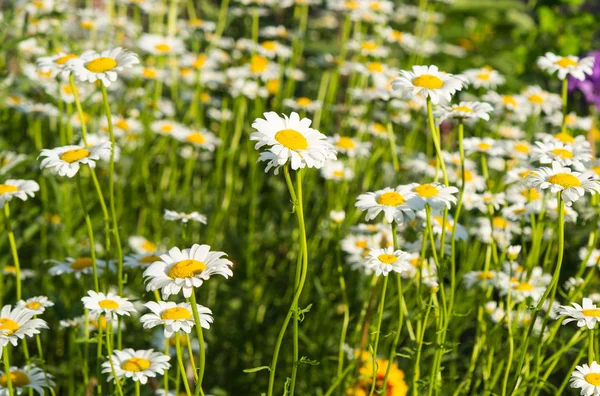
524 286
428 81
8 325
136 364
272 86
352 5
390 199
426 190
33 305
71 156
122 124
167 128
566 180
531 194
81 263
387 258
149 259
18 379
509 100
86 25
562 153
162 47
537 99
101 65
258 64
499 222
464 109
149 73
485 275
303 101
195 137
345 143
369 46
375 67
396 35
379 128
63 59
269 45
593 379
361 244
564 137
484 146
468 175
526 173
592 312
205 97
7 188
186 269
522 147
68 90
338 174
483 76
291 139
596 169
44 74
565 62
199 62
108 304
570 120
176 313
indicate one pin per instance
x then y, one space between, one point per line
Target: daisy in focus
175 317
427 82
586 314
384 261
572 185
587 378
109 304
104 66
566 65
36 304
397 204
66 160
138 365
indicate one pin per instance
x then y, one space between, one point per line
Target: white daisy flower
65 160
489 146
427 82
104 66
522 289
564 154
55 64
18 323
540 100
141 245
436 195
111 305
17 189
383 261
136 260
572 122
337 216
198 138
593 259
586 314
291 139
349 146
174 317
186 269
337 171
484 78
137 365
78 266
159 45
36 304
171 215
168 127
397 204
567 65
464 111
302 103
24 380
571 184
274 49
587 378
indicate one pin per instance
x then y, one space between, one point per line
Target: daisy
383 261
18 323
337 216
436 195
587 378
55 64
174 317
522 289
273 49
397 204
141 245
77 266
593 259
427 82
24 380
586 314
464 110
65 160
349 146
171 215
104 66
111 305
136 260
566 155
186 269
485 77
137 365
17 189
486 146
159 45
482 279
567 65
337 171
571 184
36 304
290 139
540 100
302 103
198 138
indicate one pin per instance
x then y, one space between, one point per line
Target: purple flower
590 87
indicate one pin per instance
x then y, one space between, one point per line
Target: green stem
200 335
376 344
436 141
7 371
182 366
13 249
591 347
110 352
90 232
565 86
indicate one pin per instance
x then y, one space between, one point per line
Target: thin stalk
200 335
90 231
13 249
182 366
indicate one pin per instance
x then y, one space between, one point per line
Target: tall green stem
377 332
90 231
13 249
182 366
200 335
7 371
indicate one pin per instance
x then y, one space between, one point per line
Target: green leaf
255 369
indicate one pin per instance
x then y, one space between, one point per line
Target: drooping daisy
171 215
464 111
586 314
383 261
572 185
427 82
36 304
175 317
137 365
586 378
104 66
66 160
17 189
111 305
290 139
24 380
566 65
186 269
159 45
18 323
436 195
397 204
